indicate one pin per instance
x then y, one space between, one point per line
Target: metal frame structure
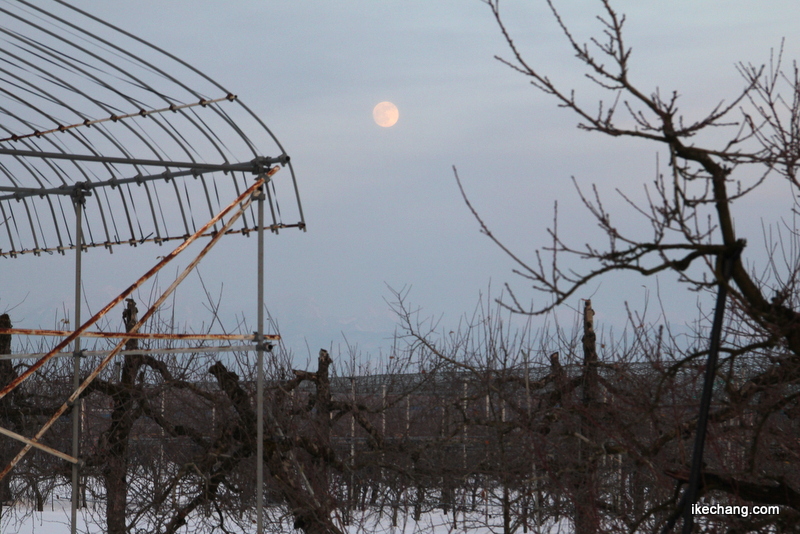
146 144
138 145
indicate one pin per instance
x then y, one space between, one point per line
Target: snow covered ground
55 520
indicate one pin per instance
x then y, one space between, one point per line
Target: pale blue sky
381 205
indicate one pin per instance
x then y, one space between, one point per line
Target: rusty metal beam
243 201
136 335
181 350
157 267
33 443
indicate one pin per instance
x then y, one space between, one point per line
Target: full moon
385 114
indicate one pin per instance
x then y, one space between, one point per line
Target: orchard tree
690 212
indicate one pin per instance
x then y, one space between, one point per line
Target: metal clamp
79 192
260 344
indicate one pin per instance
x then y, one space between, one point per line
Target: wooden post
586 517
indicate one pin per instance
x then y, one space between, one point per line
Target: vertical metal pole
260 379
690 496
78 201
384 407
464 460
726 264
408 414
161 464
383 411
352 491
464 435
353 423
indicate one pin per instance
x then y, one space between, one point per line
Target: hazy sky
382 206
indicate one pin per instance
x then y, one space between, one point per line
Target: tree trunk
6 375
116 438
587 520
300 478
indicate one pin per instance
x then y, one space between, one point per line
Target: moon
385 114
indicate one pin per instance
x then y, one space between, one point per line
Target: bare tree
691 213
169 443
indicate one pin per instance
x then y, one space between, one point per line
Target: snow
56 515
55 519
